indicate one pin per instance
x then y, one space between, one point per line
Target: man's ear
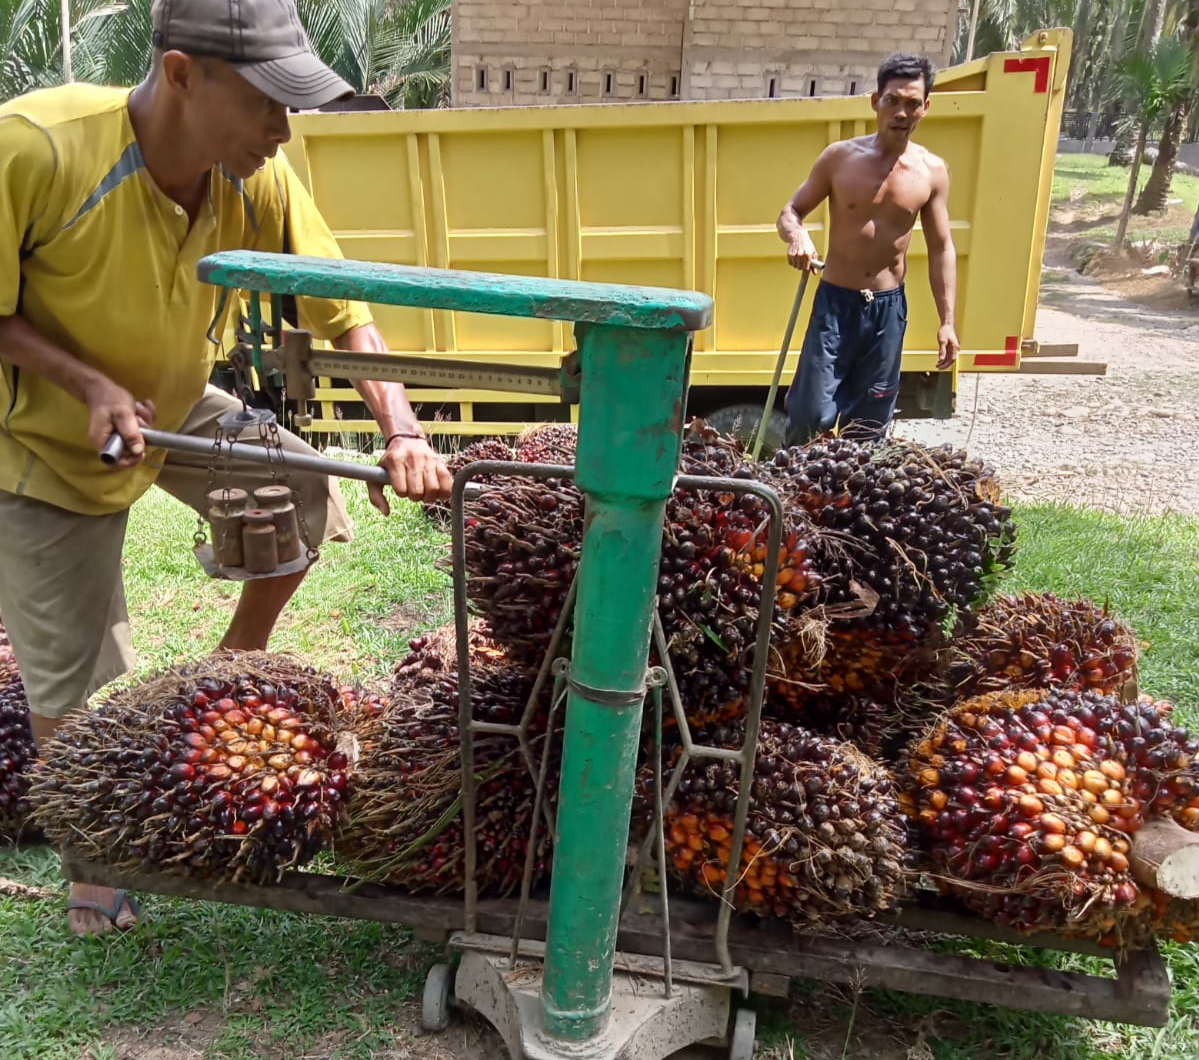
179 71
874 100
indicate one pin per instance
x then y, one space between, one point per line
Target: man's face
229 119
900 106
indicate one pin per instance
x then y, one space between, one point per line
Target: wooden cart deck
773 954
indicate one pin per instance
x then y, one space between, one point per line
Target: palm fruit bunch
825 836
873 726
1025 802
18 752
550 443
923 528
227 770
912 538
431 655
523 538
711 573
405 826
1037 640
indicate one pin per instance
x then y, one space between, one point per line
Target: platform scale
619 975
563 997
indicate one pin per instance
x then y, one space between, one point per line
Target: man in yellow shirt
108 199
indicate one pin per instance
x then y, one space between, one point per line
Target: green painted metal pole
630 429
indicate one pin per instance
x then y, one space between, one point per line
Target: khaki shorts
62 597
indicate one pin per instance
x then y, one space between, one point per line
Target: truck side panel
682 195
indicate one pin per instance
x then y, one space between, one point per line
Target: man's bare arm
111 408
801 251
942 261
416 471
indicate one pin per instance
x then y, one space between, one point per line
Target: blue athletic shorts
849 365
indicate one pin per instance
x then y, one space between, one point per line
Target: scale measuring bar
436 372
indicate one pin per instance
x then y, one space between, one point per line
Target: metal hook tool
817 265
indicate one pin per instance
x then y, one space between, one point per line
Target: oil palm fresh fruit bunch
523 540
870 725
548 443
228 769
1025 802
435 653
18 753
1038 640
825 837
406 825
921 528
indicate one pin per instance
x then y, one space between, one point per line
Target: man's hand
801 252
948 346
416 472
112 409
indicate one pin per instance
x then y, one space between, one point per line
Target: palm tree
1156 193
1003 24
397 48
1149 32
1150 85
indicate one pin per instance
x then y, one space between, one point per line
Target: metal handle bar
252 454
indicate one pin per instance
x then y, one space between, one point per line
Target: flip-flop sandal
120 899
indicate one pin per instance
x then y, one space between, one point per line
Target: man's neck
890 147
178 171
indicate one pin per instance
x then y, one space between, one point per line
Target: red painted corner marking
1028 66
1007 359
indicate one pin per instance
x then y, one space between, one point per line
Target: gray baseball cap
263 40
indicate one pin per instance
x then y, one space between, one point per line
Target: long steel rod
250 454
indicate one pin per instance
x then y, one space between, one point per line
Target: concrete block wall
580 51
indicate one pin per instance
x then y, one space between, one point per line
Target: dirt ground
1124 441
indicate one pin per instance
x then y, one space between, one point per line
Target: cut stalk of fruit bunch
226 770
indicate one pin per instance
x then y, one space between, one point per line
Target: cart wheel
745 1027
435 1003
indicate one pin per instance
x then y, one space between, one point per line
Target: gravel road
1126 441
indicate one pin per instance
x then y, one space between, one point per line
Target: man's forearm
21 344
942 277
388 402
790 225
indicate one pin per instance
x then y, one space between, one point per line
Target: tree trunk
1122 227
1112 47
1157 188
1082 27
1153 21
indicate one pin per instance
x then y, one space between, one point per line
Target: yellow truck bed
680 195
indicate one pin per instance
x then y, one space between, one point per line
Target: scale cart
597 969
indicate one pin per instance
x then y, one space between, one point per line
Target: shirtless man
877 186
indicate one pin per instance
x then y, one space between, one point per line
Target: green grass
354 612
269 985
1104 183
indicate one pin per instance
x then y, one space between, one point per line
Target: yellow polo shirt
103 264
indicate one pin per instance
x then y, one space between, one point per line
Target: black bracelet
404 434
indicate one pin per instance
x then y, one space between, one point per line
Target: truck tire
741 421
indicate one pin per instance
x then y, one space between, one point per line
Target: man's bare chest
894 197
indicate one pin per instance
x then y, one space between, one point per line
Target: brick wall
567 51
